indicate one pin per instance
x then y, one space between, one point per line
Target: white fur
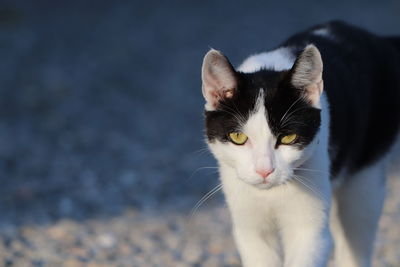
279 59
282 217
324 32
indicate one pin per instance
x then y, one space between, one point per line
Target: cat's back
362 80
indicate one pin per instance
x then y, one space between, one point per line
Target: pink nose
265 172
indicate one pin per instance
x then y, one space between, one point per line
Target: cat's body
306 164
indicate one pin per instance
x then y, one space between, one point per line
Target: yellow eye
288 139
238 138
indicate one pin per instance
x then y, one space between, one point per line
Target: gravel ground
164 238
101 131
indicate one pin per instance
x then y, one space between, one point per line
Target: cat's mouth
269 182
265 186
261 183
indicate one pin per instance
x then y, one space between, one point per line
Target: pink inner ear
228 93
314 92
213 96
217 95
219 80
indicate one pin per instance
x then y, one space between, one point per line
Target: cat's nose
264 172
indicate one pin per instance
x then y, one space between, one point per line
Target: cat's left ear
306 74
218 77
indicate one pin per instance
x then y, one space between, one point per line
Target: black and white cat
303 135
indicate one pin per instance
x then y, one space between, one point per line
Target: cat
303 136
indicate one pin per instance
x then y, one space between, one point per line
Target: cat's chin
269 185
261 185
255 181
264 186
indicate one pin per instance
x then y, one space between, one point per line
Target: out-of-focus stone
73 263
78 252
192 253
60 234
93 264
212 262
124 249
17 245
106 240
215 248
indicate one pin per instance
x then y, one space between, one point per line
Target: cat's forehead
272 86
263 79
257 124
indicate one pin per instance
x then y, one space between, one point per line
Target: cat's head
264 124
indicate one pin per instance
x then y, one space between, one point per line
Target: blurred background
102 149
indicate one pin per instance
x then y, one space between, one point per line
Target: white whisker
204 199
199 169
304 169
310 186
291 114
298 99
240 114
313 170
200 151
293 122
234 113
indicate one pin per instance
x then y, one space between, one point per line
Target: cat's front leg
256 251
304 224
308 247
254 229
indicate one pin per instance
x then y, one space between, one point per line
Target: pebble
106 240
73 263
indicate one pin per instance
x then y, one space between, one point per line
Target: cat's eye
288 139
238 138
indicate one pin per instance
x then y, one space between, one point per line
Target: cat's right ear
307 74
218 77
